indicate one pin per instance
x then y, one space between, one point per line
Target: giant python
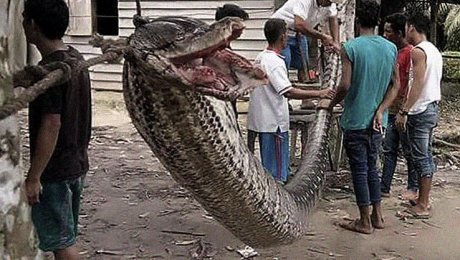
177 80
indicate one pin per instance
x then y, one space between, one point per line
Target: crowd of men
401 71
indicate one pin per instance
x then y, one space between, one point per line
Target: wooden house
112 18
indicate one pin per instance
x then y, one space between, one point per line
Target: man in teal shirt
367 67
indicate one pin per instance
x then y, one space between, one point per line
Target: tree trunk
17 236
434 8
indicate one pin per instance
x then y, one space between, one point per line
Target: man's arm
46 143
418 58
303 27
345 81
392 92
334 27
296 93
390 97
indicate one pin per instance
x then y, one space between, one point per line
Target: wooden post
17 236
434 8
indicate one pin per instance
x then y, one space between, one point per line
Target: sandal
415 215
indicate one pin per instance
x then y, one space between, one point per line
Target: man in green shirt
368 63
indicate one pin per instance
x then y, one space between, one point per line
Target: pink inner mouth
221 70
215 67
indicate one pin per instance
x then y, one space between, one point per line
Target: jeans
362 147
293 52
420 132
390 150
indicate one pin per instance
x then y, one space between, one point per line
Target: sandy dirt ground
130 205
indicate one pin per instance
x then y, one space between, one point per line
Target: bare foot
409 195
377 222
357 226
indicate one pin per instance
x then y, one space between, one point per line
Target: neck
46 47
366 31
401 44
275 47
418 38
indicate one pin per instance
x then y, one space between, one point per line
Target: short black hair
368 13
397 22
420 21
51 16
231 10
273 29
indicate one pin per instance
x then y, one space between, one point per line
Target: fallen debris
437 141
186 243
183 233
411 234
431 224
109 252
247 252
200 251
315 250
167 212
207 217
144 215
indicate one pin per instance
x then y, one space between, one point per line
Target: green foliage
451 68
452 29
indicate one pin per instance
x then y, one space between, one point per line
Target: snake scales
196 138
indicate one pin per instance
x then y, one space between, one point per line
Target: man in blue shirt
368 63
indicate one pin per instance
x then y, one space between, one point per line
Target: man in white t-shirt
301 16
268 113
419 113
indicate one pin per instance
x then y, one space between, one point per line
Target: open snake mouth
196 55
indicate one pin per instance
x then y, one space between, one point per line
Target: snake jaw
204 65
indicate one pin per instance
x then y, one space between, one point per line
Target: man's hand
324 104
32 191
327 40
378 122
401 122
334 47
327 93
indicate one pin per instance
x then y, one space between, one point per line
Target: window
106 14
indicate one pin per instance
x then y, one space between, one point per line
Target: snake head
188 53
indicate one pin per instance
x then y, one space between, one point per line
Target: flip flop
416 215
414 203
352 226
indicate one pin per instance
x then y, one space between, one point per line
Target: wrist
323 36
31 177
403 112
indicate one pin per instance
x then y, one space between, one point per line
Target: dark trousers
362 147
390 150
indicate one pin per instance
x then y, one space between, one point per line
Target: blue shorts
56 216
292 53
274 151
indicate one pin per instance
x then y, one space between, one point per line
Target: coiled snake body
193 131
